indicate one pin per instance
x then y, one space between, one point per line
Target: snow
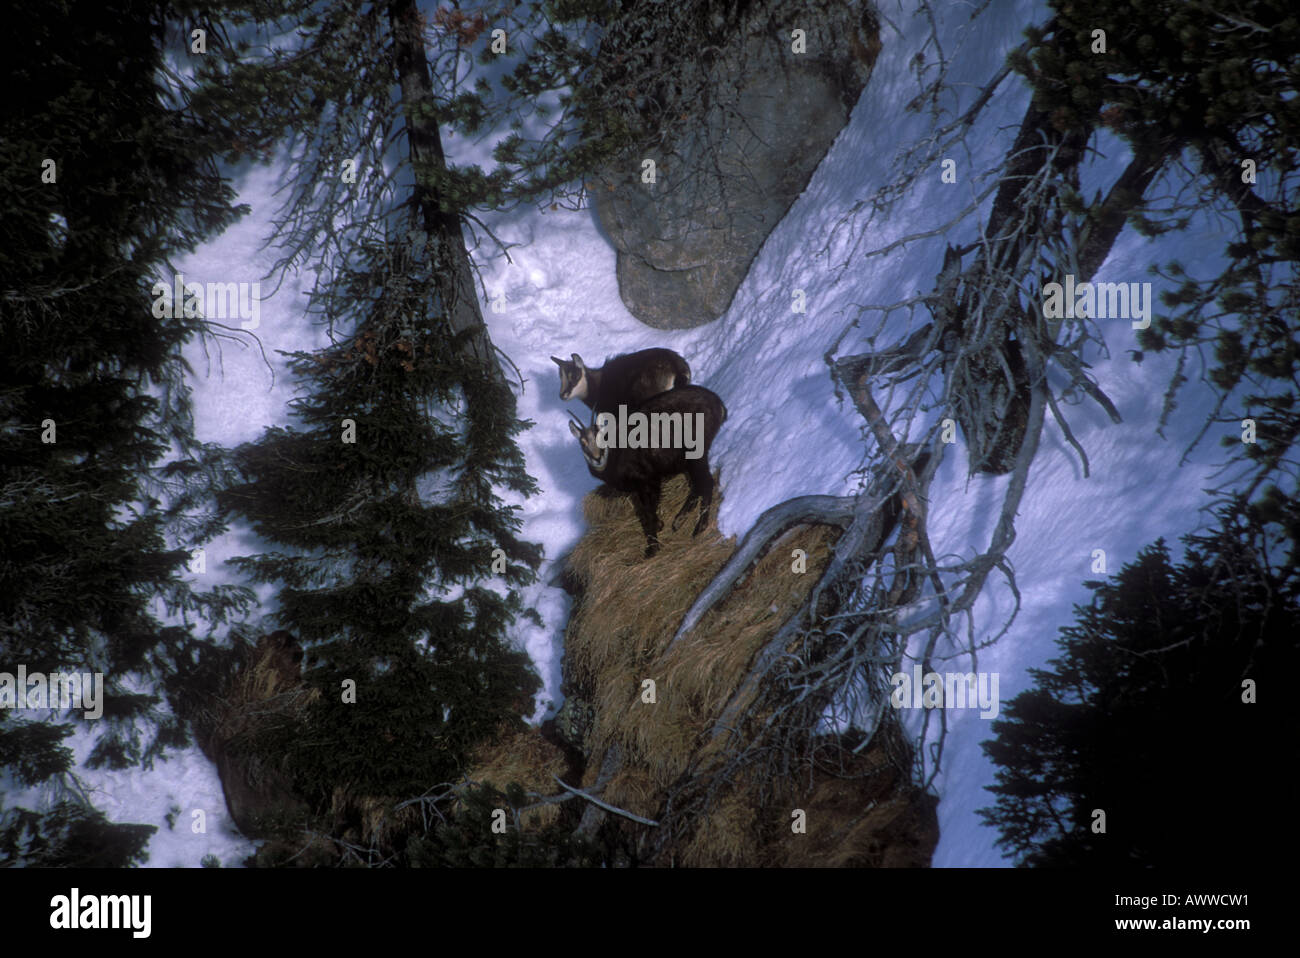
786 434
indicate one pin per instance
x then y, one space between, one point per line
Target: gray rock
574 722
763 118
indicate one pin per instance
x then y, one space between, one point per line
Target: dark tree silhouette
1145 715
396 562
102 482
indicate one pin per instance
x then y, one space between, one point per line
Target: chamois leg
647 507
706 499
701 492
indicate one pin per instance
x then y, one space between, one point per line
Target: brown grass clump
614 577
268 692
629 607
728 837
526 757
265 696
859 811
634 790
896 829
372 821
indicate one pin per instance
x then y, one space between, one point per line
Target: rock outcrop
749 120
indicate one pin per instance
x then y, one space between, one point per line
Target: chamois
640 466
624 380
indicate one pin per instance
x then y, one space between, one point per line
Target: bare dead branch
831 510
579 793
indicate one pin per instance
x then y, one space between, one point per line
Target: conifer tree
397 563
101 478
1188 80
1157 715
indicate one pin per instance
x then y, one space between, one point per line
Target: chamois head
597 458
574 381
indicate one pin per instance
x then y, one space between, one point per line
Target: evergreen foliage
467 838
604 75
380 504
1142 715
97 525
1216 87
71 835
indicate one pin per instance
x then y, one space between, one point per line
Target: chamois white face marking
573 378
580 386
579 389
591 450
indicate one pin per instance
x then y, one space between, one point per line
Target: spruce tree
102 482
1163 712
396 561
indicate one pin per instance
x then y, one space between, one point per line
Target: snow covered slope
786 435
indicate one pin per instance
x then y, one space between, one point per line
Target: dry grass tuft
727 838
634 790
861 813
267 693
864 814
522 756
372 821
631 606
627 611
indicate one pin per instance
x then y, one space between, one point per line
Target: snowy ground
786 434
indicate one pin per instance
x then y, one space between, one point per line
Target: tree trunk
446 245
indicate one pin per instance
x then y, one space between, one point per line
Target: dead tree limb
828 510
858 548
605 805
593 816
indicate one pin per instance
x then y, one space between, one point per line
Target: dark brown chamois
636 450
624 380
